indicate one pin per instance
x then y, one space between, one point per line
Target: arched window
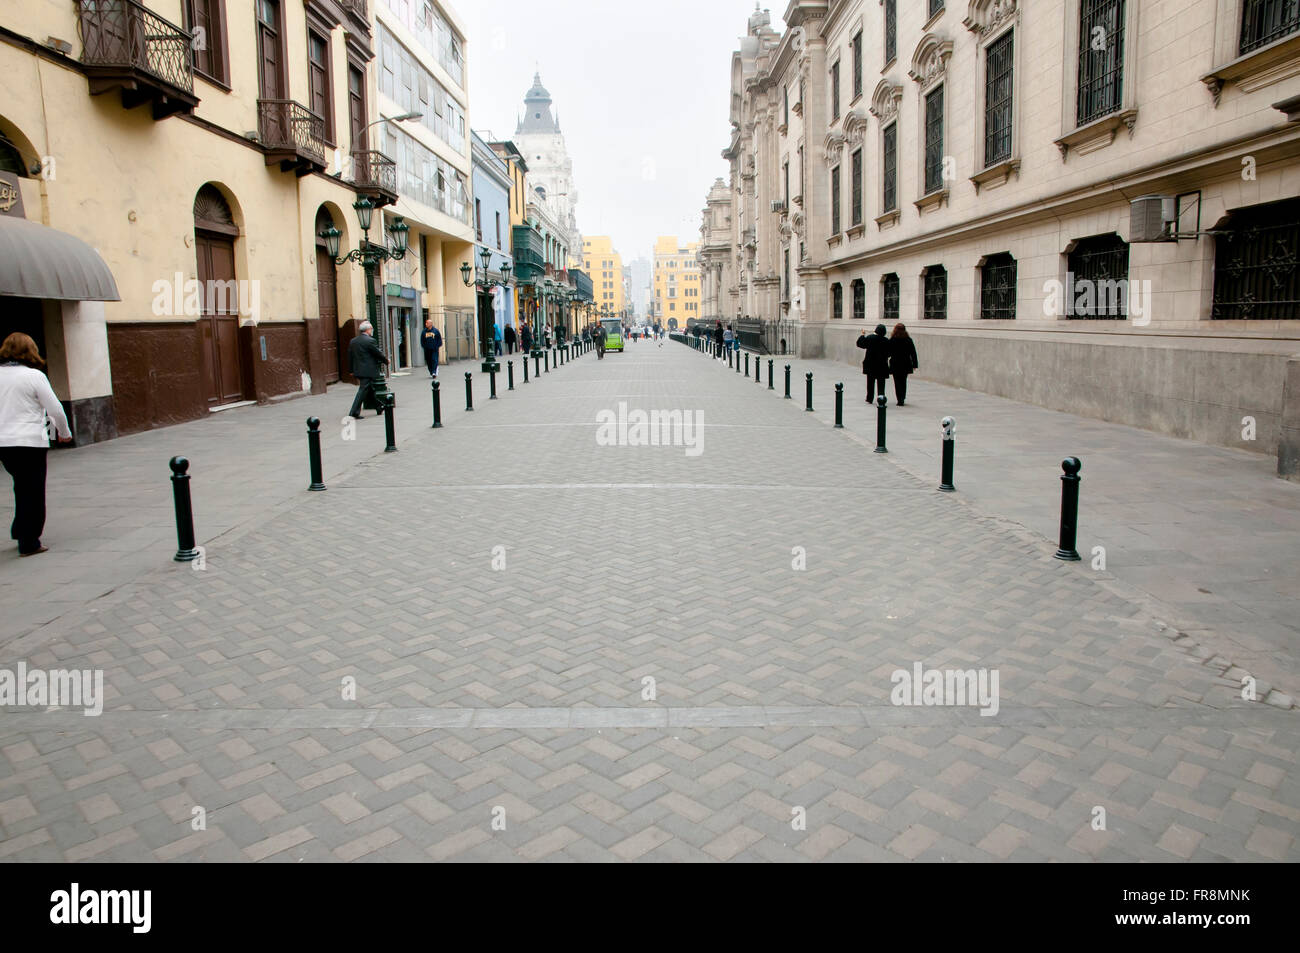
889 288
1098 278
998 287
935 278
1255 263
859 299
837 300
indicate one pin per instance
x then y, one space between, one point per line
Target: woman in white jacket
26 399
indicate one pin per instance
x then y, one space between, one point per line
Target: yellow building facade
676 282
605 266
202 172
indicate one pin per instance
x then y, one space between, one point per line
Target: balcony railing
289 129
372 171
126 45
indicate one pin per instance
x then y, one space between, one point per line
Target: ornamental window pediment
885 100
986 16
930 60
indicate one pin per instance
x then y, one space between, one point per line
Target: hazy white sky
641 91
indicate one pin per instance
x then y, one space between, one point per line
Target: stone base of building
1235 392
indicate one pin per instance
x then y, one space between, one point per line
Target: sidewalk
1206 536
111 517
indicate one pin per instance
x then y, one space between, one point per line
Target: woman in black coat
902 360
717 340
875 364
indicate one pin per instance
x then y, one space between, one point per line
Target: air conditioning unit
778 206
1153 218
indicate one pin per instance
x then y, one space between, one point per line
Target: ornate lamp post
371 256
470 276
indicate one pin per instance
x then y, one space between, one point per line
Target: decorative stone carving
885 100
855 126
834 146
986 16
930 60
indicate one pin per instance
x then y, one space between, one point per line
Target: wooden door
223 372
357 108
327 297
318 74
270 60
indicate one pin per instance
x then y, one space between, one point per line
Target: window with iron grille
835 200
935 7
859 300
998 287
1255 263
890 168
889 297
785 288
857 64
856 166
934 141
998 76
1264 21
936 293
891 31
1101 58
1098 278
835 92
837 300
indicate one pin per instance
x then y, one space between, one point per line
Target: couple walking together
895 354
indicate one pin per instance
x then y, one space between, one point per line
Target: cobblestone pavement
500 591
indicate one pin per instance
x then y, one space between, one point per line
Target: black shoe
355 416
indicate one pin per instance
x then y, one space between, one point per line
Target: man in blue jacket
431 341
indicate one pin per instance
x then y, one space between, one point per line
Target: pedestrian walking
27 408
599 335
728 339
526 338
717 340
366 362
511 338
431 342
902 360
497 338
875 363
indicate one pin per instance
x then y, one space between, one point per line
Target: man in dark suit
875 364
366 362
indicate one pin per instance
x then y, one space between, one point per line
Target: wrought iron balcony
291 135
126 46
375 174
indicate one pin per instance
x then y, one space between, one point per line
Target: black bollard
437 406
728 358
787 383
390 432
537 363
524 362
738 361
809 383
546 361
313 454
492 380
949 441
469 391
769 375
1069 509
758 370
510 375
746 363
881 402
839 406
185 549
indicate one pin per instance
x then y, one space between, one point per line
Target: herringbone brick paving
510 562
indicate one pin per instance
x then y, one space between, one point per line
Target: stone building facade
1085 204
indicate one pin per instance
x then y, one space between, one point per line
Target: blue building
491 181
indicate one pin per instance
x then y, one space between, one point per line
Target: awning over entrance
37 261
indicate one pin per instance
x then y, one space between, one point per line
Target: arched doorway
224 374
327 297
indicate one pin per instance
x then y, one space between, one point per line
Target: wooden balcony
375 175
127 47
292 136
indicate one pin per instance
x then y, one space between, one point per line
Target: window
1101 58
478 218
499 231
318 81
1097 283
1264 21
935 7
835 200
785 105
857 64
936 293
837 300
856 165
785 174
835 91
785 256
998 76
208 17
891 31
934 141
998 287
889 307
890 168
1255 273
859 300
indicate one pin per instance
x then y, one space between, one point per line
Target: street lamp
469 274
371 256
